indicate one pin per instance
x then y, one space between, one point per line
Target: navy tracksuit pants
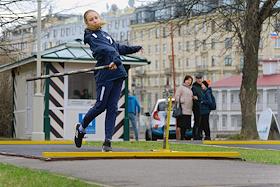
108 95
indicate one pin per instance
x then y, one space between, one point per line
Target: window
204 45
195 45
142 35
213 61
157 32
234 97
116 24
179 31
196 28
187 46
213 42
67 31
81 86
164 48
204 27
224 120
260 97
54 33
224 97
164 32
228 43
157 48
163 63
62 32
204 61
241 62
179 46
149 49
187 62
228 26
213 25
228 60
179 63
272 97
156 64
277 43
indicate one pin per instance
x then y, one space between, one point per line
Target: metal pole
165 145
38 65
126 120
278 107
47 126
172 55
68 73
38 98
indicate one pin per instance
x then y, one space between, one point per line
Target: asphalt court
53 149
56 151
35 151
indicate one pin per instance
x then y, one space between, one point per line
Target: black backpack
213 104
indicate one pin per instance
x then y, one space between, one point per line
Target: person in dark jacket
133 113
197 93
108 81
205 103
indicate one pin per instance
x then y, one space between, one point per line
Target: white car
155 129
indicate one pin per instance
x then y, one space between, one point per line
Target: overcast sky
83 5
28 8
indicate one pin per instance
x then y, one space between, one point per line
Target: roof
235 81
72 52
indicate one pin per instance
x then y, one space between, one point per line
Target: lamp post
172 57
38 98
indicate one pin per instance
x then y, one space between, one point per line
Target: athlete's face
92 19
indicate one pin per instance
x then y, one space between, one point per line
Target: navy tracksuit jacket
108 82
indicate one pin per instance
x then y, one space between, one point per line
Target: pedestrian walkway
256 144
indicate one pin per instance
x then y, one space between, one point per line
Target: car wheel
147 135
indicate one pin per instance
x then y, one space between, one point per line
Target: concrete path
161 172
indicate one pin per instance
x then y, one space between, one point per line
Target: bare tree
256 13
246 19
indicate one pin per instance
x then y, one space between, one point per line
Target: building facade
202 43
118 24
20 42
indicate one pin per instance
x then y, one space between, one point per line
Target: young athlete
108 81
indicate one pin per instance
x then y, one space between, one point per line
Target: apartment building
20 41
60 29
118 24
227 118
17 42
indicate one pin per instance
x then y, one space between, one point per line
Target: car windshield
162 106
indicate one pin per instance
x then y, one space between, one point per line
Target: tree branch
266 9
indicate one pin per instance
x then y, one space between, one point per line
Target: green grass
250 155
22 177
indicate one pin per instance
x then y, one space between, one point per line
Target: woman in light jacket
184 95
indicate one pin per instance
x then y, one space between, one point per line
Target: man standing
133 113
197 94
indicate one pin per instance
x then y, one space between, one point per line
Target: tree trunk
248 91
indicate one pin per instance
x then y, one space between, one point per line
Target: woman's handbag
177 110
